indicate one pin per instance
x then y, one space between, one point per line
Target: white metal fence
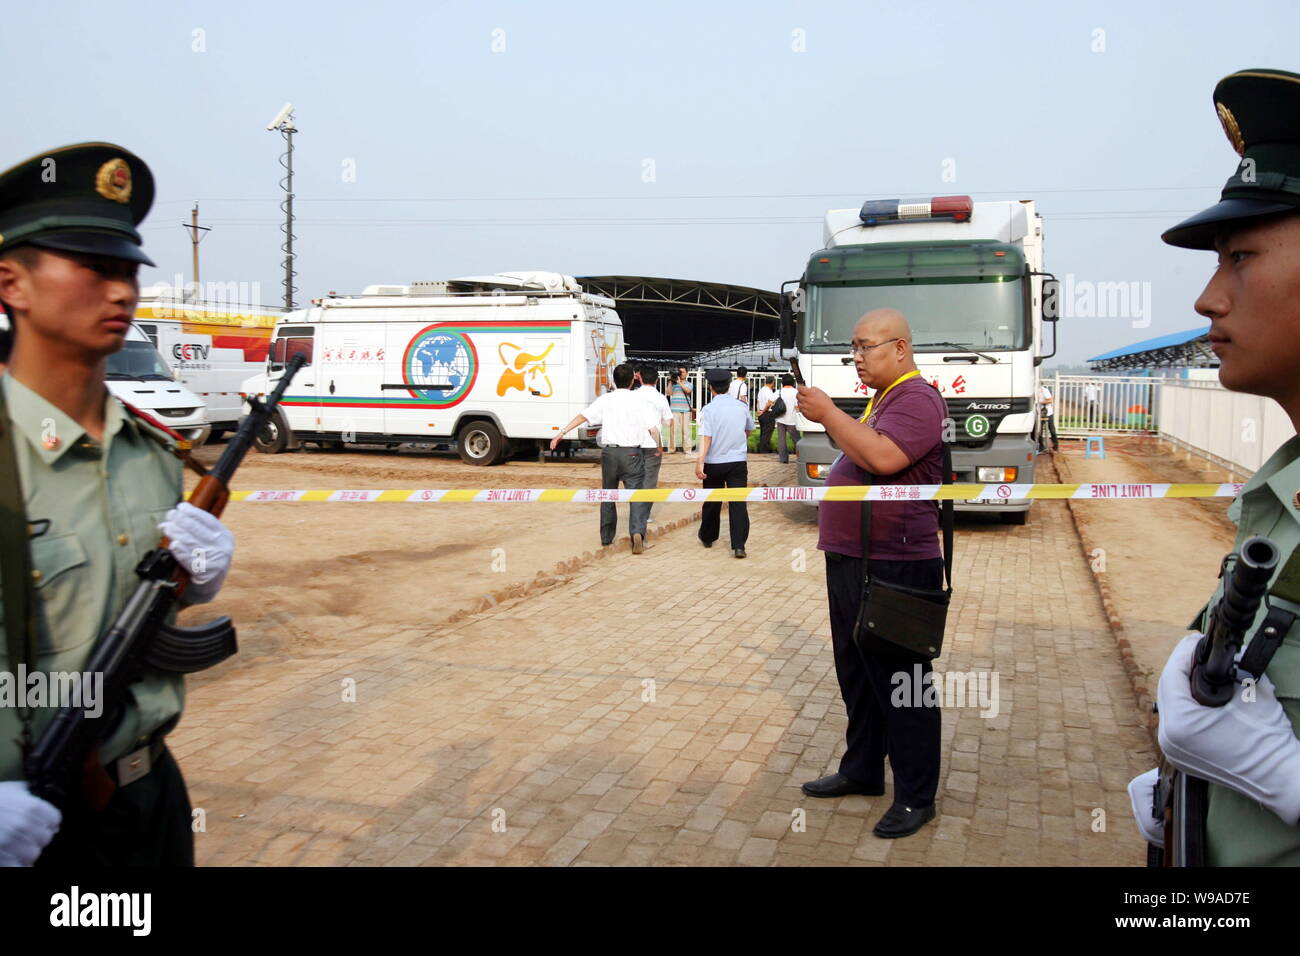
1104 404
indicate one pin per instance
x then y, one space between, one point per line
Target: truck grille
959 409
960 412
176 412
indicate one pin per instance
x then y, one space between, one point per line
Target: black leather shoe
707 544
838 785
901 821
739 552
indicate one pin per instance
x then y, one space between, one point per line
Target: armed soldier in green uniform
86 484
1249 750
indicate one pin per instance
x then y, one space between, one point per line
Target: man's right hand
27 824
555 443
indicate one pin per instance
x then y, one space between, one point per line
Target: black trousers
1049 424
726 474
908 735
766 422
146 823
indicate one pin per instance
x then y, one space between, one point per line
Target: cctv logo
188 352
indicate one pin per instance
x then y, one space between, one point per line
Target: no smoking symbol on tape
688 494
1004 491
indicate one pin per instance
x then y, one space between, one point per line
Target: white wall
1237 430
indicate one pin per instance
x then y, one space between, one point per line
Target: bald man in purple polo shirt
900 443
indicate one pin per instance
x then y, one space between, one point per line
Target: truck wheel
480 443
274 436
1015 517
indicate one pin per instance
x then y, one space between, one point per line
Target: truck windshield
985 313
137 360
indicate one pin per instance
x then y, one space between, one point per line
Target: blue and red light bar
876 212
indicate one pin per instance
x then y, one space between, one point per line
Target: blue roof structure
1189 348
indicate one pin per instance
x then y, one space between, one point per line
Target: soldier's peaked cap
88 198
1260 113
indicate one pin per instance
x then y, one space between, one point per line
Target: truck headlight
996 474
818 471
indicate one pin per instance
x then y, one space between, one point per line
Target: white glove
202 545
1141 793
27 824
1247 746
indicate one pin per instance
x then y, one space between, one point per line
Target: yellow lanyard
881 395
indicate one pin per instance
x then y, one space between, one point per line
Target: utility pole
196 236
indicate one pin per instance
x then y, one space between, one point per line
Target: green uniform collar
35 419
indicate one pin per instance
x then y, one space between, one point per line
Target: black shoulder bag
912 618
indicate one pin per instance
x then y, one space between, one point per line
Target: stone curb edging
1137 680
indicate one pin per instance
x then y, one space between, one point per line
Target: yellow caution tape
968 493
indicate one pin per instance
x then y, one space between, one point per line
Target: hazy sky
689 140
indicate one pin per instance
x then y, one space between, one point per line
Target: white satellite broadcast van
497 364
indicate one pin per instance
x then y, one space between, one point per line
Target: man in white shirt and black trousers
625 420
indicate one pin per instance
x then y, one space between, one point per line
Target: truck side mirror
1051 299
791 306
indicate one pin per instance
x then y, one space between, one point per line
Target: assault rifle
63 764
1182 800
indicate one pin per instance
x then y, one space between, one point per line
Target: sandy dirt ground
1161 556
305 572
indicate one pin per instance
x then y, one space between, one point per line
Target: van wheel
1015 517
480 443
274 436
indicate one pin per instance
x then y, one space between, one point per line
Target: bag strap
946 520
19 587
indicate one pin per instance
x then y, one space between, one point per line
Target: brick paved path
663 709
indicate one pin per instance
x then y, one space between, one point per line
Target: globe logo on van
440 366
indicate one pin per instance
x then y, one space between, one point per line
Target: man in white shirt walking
1049 418
647 376
738 388
1091 395
625 421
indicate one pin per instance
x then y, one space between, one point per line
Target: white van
138 376
497 364
212 347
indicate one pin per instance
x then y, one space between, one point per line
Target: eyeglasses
864 349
